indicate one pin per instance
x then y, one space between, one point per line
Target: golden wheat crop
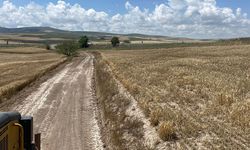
203 91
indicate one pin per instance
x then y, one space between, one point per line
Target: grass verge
123 131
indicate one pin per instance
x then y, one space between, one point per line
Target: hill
52 35
48 32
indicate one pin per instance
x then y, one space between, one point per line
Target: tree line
69 48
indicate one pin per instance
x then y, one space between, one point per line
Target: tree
115 41
47 46
84 42
68 48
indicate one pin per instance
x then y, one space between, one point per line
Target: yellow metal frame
11 136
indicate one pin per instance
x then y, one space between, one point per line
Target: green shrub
84 42
68 48
115 41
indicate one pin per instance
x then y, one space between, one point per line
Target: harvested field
21 66
23 50
195 97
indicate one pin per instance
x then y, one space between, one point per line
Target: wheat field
196 97
21 66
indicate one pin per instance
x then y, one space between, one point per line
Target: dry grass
122 131
155 116
204 91
17 69
167 131
23 50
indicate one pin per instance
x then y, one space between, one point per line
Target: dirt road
64 108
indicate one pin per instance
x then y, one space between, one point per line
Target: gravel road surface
64 108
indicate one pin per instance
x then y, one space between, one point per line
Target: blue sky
112 6
234 4
184 18
117 6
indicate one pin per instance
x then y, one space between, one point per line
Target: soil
63 105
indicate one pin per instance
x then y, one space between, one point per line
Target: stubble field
195 97
21 66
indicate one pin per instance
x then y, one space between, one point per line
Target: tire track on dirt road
64 108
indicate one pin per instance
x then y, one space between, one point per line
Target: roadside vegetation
197 97
21 66
68 48
121 131
84 42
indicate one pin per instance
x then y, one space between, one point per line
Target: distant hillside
29 30
52 35
56 33
51 31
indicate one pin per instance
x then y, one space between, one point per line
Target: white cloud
128 5
186 18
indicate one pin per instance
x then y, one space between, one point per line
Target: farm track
64 108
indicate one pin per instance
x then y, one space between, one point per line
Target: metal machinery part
16 132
